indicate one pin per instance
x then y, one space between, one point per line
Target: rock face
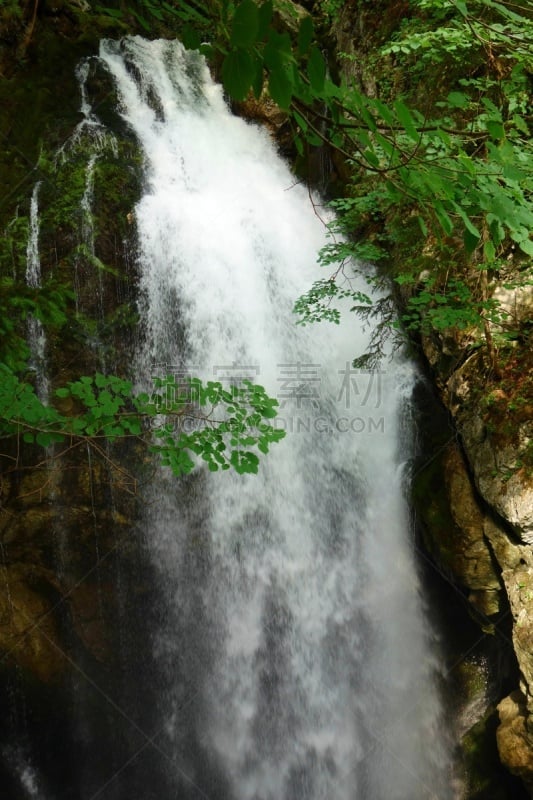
69 562
514 740
28 629
472 559
486 545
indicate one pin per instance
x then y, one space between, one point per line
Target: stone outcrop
514 740
28 628
488 482
495 444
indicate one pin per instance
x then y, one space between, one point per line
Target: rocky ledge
484 538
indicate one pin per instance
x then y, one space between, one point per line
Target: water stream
36 334
296 660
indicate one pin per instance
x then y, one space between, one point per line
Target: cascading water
92 139
36 334
25 772
297 656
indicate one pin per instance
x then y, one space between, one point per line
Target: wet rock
472 557
454 530
29 634
88 603
515 744
496 469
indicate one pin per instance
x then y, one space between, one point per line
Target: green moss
433 511
33 126
13 246
486 778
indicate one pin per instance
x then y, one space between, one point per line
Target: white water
36 334
291 621
92 140
25 772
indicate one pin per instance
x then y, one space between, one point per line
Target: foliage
461 167
452 306
18 302
194 20
223 427
244 410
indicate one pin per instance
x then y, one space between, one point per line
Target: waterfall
27 784
36 334
90 139
296 660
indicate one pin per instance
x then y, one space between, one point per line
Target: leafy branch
223 427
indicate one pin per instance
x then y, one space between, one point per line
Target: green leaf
469 225
316 69
384 112
141 20
306 33
361 110
190 37
423 226
470 241
526 246
112 12
302 122
245 26
238 73
257 83
520 124
371 157
458 100
100 380
280 87
278 49
495 129
407 120
155 11
489 251
443 218
265 18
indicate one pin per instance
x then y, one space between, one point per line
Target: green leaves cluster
192 18
452 305
463 27
461 164
18 302
231 424
392 137
223 427
459 167
256 51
